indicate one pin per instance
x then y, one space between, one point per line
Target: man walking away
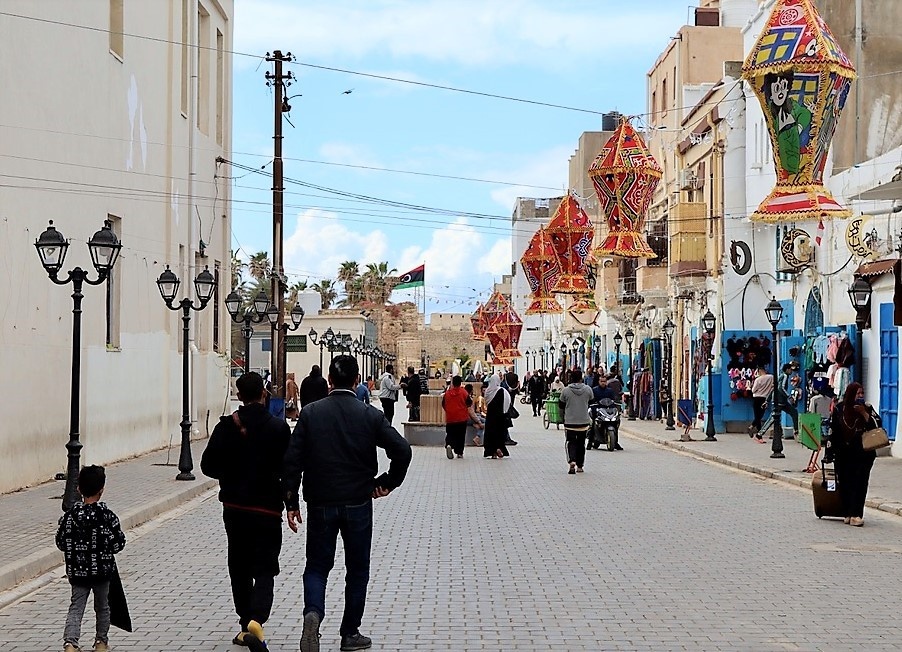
245 454
536 388
454 402
314 386
388 392
413 388
762 388
575 400
333 451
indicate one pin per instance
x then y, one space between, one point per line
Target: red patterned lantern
542 269
570 232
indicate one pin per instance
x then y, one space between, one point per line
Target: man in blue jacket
333 451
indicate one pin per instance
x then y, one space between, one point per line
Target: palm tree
293 290
378 282
349 275
327 293
237 267
259 266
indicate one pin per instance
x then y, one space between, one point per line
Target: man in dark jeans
333 450
413 389
245 454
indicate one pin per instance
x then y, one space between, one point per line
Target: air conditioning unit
688 179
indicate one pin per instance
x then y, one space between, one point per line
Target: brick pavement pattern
647 550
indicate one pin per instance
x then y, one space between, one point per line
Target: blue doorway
889 370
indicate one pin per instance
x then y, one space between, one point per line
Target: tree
378 282
259 266
237 269
327 293
293 291
349 275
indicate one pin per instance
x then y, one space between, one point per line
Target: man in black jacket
245 454
413 389
313 387
333 449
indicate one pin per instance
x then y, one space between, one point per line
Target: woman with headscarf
495 434
851 418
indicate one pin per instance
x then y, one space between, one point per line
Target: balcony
651 280
688 239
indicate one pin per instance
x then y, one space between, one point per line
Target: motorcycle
605 416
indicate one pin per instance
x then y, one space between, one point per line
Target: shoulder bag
874 438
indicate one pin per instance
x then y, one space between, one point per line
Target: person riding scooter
600 391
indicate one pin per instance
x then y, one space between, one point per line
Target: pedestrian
333 451
851 418
557 386
604 390
362 391
388 392
313 387
616 386
292 394
575 402
245 454
762 388
475 419
413 388
536 389
495 434
454 403
89 535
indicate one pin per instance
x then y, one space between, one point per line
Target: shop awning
877 268
887 191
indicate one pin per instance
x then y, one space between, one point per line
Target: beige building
98 125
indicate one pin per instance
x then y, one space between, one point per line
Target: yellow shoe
255 639
100 646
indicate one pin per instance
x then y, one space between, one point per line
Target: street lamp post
276 324
668 328
630 336
708 323
563 358
774 312
860 295
205 285
618 340
104 248
254 314
574 359
317 341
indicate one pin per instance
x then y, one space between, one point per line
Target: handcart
553 412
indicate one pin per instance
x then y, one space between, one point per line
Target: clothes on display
744 356
830 356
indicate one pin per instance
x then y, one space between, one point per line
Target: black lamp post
574 356
709 322
526 359
774 312
668 328
860 295
297 316
317 341
630 336
596 346
563 358
104 248
205 285
254 314
618 340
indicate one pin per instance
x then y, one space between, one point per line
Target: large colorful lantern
542 269
570 232
477 323
801 77
508 327
625 176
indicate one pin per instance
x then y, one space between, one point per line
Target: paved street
648 550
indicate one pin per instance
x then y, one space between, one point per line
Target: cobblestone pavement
647 550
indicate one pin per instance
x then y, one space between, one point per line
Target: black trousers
576 446
853 472
388 406
536 404
414 411
455 436
758 403
255 540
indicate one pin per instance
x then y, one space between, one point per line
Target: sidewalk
741 452
138 490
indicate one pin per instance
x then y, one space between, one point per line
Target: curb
888 507
47 558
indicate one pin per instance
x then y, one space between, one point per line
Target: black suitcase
825 490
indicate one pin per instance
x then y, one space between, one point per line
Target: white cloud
497 261
468 32
549 168
450 255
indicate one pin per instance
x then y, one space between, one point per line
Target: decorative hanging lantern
625 176
508 327
586 302
570 232
802 78
542 269
477 323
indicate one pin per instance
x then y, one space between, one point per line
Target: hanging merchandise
625 176
801 78
542 269
745 354
570 232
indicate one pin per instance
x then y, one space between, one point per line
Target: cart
553 413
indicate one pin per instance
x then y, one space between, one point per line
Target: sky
400 142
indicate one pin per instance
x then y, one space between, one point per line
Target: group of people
329 460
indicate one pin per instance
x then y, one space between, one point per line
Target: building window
114 293
657 240
117 25
296 344
654 106
185 38
203 69
664 96
215 300
220 84
626 281
266 345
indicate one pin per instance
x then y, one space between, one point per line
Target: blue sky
588 55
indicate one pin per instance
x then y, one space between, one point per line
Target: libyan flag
414 278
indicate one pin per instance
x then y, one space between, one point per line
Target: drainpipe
858 43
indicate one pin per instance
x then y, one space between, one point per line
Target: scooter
605 424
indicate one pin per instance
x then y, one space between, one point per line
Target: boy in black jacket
245 454
89 535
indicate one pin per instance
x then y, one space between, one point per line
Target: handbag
512 413
874 438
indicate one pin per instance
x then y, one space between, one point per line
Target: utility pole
279 82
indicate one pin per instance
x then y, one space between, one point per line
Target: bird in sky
347 92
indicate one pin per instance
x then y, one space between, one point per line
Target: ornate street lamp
563 358
254 314
774 312
618 340
104 248
709 322
297 316
630 336
204 285
330 339
860 296
668 328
